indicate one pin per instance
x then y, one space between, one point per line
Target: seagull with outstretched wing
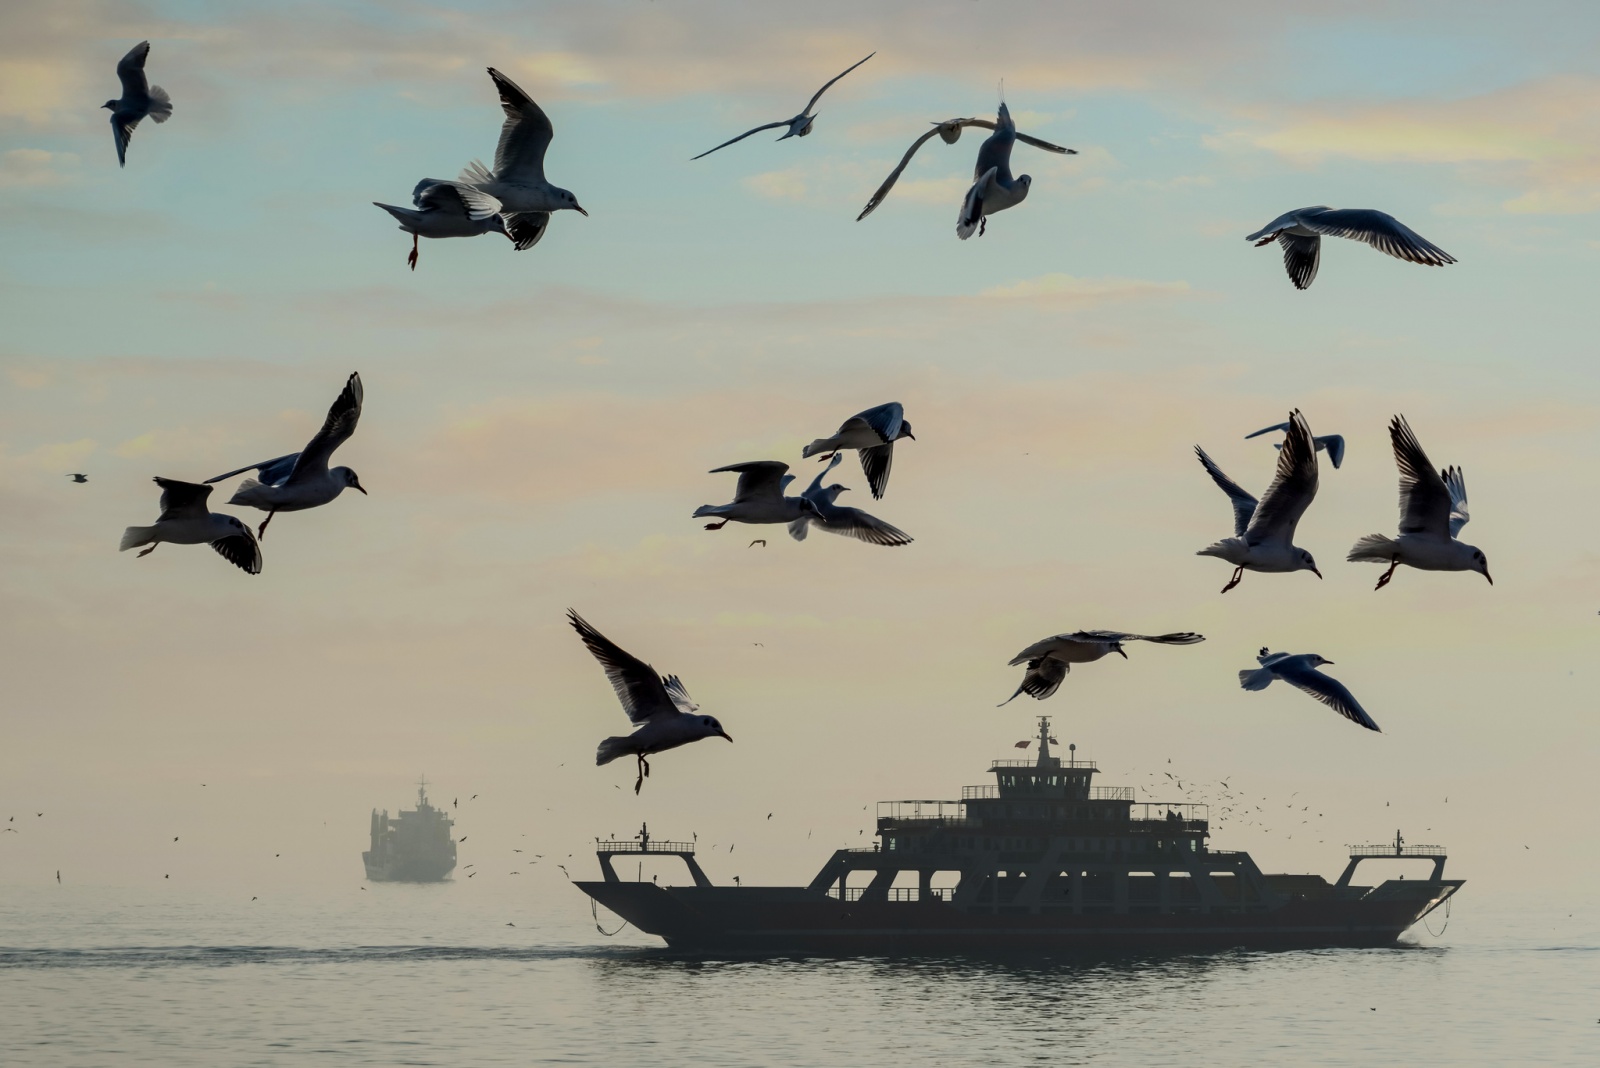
658 706
1300 233
185 520
873 434
1433 509
1300 671
1050 659
140 100
301 480
836 518
1263 531
800 125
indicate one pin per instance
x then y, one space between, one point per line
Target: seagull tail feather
1259 679
134 537
705 510
1219 549
160 104
820 445
611 749
1376 548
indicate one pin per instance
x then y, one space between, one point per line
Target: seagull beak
1327 661
1317 573
910 435
1120 651
1486 575
725 735
362 488
579 209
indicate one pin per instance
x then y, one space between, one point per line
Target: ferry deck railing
652 846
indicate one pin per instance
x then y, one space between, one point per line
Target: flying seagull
1332 444
78 476
1433 509
840 519
758 498
516 188
185 520
872 432
301 480
1301 671
1050 659
1301 232
658 705
440 212
800 125
993 187
1263 532
950 131
139 99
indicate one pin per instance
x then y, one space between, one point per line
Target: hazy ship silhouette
413 847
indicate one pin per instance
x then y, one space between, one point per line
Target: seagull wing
274 472
1425 503
1267 430
1042 678
679 694
854 523
1330 691
1293 487
525 228
336 430
524 136
130 69
240 550
1334 443
1380 230
1182 637
741 137
431 194
1244 505
894 175
812 492
1456 483
182 500
885 420
1301 256
758 479
642 692
122 124
835 78
1046 145
875 464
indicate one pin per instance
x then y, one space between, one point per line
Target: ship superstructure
412 847
1042 859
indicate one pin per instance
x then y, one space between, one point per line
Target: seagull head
831 493
1308 564
1480 563
799 126
710 725
1317 660
348 478
905 431
110 105
570 201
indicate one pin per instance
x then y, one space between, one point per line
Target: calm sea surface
424 975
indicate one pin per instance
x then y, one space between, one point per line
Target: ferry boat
413 847
1042 860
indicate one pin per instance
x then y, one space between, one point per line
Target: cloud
1067 286
778 185
34 167
1542 137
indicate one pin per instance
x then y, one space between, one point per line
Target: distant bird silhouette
300 480
800 125
658 705
78 476
1301 231
759 541
139 100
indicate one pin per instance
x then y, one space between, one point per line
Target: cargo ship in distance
1040 861
413 847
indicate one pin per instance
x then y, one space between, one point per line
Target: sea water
428 975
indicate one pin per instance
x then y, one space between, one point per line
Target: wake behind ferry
1040 861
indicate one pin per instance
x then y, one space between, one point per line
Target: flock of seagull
515 199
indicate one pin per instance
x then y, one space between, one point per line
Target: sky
538 425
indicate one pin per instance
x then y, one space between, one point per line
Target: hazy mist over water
432 976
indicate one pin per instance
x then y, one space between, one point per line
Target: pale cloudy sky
538 425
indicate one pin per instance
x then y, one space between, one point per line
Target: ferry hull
781 920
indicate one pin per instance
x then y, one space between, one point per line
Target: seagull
799 126
78 476
1301 672
185 520
139 99
1300 233
1050 659
840 519
758 498
872 432
301 480
516 188
950 131
658 705
1332 444
993 187
440 212
1433 509
1263 532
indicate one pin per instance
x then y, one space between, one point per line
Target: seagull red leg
412 259
1387 575
150 550
1238 573
716 526
261 531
